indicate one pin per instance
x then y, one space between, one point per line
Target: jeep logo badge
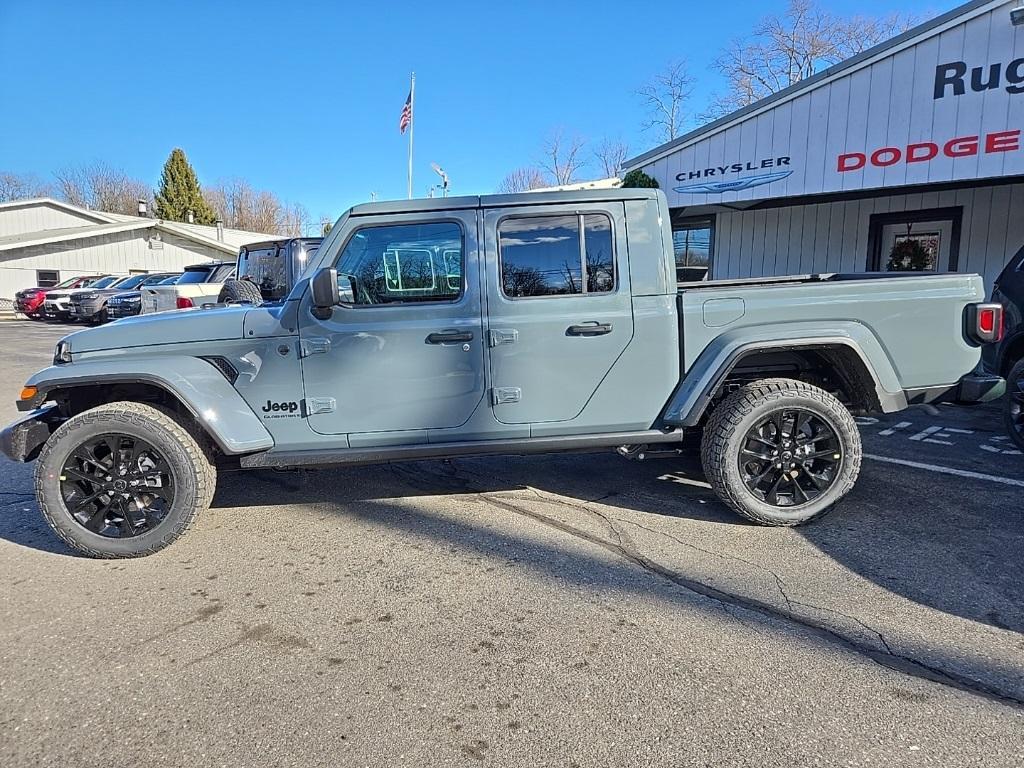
285 408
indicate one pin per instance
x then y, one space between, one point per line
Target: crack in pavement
886 658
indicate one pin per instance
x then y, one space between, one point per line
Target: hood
175 327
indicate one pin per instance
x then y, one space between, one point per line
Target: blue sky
304 98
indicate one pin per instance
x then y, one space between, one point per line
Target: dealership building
914 143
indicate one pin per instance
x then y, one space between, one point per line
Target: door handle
449 337
589 329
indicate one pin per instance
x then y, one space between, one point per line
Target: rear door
558 307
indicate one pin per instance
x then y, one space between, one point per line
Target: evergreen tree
179 192
637 178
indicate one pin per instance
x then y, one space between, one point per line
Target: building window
546 256
693 241
401 264
47 278
927 240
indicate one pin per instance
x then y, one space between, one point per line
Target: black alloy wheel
790 457
117 486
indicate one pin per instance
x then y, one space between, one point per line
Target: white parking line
946 470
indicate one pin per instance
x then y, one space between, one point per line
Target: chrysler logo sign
735 185
716 179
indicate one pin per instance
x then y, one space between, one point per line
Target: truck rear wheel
239 292
122 480
1013 411
781 452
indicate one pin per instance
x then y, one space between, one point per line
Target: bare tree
786 49
611 154
562 157
522 180
665 98
22 186
240 206
295 219
101 187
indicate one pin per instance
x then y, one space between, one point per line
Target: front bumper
55 309
28 306
85 309
22 439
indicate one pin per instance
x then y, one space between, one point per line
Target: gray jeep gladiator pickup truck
504 324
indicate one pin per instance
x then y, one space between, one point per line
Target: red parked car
30 301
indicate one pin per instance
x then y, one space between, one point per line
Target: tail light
985 322
184 302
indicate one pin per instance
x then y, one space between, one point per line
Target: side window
400 264
548 255
47 278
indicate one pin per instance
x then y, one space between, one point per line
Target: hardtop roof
518 199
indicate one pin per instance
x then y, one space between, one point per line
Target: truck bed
899 315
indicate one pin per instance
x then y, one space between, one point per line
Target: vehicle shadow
959 554
388 503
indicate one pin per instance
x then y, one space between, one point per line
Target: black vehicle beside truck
1007 358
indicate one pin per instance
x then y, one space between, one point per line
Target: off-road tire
239 292
742 410
195 477
1011 407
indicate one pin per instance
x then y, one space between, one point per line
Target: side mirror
324 285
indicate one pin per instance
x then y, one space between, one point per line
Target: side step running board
355 456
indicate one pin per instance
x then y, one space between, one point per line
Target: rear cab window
558 255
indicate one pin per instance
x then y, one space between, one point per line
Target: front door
559 307
405 351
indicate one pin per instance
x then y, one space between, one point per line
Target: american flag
406 119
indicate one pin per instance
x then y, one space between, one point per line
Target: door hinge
314 346
501 395
496 337
320 405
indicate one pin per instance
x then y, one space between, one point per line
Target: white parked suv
199 284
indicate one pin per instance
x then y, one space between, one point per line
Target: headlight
62 353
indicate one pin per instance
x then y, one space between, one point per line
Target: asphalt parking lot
561 610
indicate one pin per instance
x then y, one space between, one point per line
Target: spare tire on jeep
239 292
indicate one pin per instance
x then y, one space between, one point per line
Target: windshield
67 283
194 276
105 282
170 280
155 279
132 281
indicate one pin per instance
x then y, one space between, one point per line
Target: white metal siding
117 253
833 237
888 102
16 220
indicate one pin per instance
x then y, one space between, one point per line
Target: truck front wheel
122 480
781 452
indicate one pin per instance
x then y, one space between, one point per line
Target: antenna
444 178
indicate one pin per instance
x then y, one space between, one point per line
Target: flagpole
412 125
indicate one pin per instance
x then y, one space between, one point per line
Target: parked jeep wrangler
505 324
267 271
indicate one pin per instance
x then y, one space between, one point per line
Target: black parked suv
1007 357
